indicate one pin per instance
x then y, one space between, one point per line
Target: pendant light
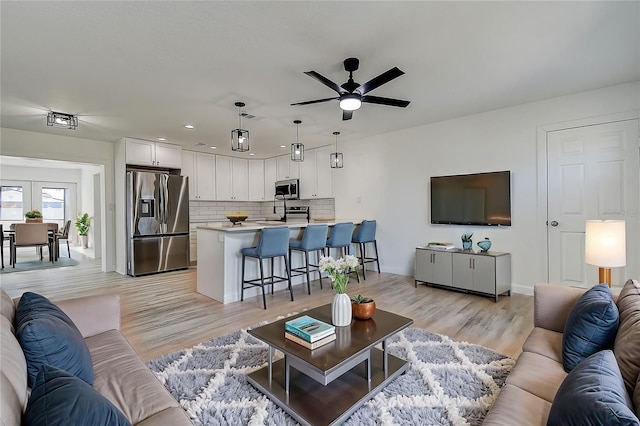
336 157
239 137
297 149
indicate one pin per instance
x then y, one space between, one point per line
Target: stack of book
309 332
436 245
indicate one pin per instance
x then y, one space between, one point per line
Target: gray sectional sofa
118 372
530 390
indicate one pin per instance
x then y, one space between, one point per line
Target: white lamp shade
605 243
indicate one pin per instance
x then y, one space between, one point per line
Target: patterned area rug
447 382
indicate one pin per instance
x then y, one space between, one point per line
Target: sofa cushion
7 307
591 326
515 406
538 375
627 344
122 377
544 342
593 394
13 376
60 398
48 337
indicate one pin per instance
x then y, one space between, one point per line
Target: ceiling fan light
350 102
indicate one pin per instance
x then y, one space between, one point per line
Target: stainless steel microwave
287 189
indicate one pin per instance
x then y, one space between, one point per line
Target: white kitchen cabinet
433 266
486 273
316 178
270 177
147 153
232 179
287 169
200 167
256 180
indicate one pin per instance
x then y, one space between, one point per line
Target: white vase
341 310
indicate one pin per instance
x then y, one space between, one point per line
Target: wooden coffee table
324 386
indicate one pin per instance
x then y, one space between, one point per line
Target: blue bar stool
366 233
313 240
274 242
340 239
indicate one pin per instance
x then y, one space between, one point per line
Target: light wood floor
162 313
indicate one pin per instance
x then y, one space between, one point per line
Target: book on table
309 329
318 343
437 245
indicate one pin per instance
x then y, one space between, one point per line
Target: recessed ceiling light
162 139
252 153
188 126
213 147
283 146
199 144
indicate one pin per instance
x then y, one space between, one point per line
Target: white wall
20 143
386 177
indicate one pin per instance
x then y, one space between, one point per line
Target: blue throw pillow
49 337
60 398
593 394
591 326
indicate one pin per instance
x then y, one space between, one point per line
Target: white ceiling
145 69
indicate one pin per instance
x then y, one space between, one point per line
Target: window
54 204
11 203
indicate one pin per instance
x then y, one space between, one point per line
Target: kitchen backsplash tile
211 211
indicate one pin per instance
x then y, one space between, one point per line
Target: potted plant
467 243
338 271
33 216
362 307
82 225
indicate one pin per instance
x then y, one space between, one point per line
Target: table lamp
605 246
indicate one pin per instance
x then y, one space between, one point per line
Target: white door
593 173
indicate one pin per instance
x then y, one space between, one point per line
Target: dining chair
31 235
64 235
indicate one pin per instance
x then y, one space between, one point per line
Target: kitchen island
220 261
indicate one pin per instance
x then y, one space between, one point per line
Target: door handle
554 223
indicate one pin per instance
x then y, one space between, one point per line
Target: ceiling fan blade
324 80
346 115
315 102
385 101
378 81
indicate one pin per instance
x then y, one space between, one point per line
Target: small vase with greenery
467 243
33 216
338 271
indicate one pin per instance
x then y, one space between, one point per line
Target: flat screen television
473 199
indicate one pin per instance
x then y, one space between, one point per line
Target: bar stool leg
318 262
264 299
286 268
306 259
363 252
272 273
242 290
375 248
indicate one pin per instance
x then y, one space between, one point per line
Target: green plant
33 214
358 298
82 224
467 236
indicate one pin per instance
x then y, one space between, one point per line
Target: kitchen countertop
258 225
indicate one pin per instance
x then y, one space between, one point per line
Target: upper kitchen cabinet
232 179
287 169
147 153
270 177
256 180
316 178
201 169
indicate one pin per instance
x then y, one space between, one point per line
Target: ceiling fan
352 94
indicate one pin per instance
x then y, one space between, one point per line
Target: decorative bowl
484 245
236 218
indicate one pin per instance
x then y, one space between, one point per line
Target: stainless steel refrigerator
157 222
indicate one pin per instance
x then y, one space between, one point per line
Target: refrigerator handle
164 200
